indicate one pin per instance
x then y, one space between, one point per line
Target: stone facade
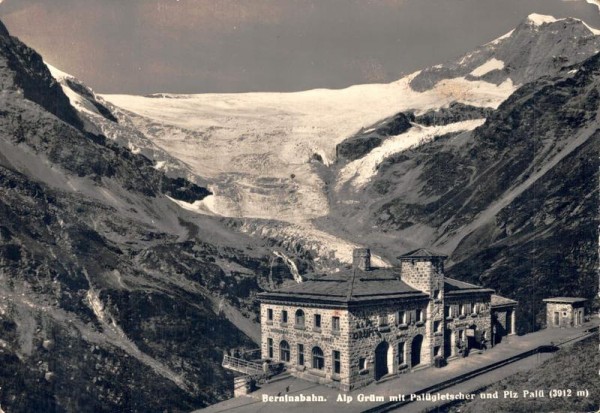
387 330
504 320
354 327
468 321
310 336
426 273
564 312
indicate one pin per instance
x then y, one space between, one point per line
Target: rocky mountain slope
112 296
578 366
514 202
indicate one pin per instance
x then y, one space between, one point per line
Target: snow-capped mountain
272 156
539 46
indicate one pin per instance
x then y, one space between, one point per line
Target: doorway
381 360
415 351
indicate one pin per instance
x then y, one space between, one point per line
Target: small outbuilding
504 320
564 312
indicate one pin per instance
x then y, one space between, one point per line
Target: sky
201 46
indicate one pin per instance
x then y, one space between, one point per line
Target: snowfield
539 19
492 64
258 149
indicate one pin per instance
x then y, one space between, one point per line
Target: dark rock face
87 155
23 69
456 112
542 244
135 342
3 31
89 95
358 147
365 141
527 130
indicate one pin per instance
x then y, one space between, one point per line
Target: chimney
361 259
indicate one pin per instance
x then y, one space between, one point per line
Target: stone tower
423 270
361 259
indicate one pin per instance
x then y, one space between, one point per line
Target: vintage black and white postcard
299 205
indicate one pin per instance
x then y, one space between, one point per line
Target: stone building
564 312
504 321
355 326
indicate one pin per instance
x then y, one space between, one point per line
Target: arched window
284 351
299 318
318 360
400 354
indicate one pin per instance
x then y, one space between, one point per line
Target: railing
241 365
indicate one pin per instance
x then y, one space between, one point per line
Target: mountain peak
3 29
536 20
539 46
540 19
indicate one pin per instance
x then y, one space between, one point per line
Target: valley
136 231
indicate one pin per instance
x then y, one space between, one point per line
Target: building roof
456 287
566 300
499 301
421 253
356 286
351 285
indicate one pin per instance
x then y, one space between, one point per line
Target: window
269 314
401 317
462 309
299 318
437 294
318 361
270 347
284 317
335 324
437 326
419 315
474 309
362 363
400 353
317 320
447 311
284 351
337 362
383 320
301 354
437 351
